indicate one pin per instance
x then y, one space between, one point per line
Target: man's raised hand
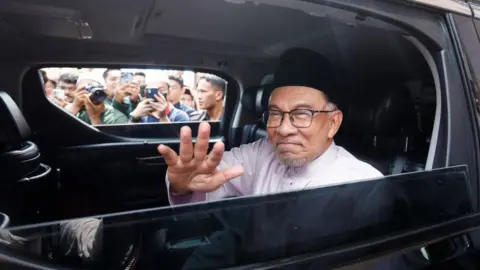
194 170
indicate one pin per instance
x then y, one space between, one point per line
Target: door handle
151 161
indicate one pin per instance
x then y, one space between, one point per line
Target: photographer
121 95
157 109
90 106
126 97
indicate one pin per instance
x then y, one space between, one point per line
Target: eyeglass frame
313 112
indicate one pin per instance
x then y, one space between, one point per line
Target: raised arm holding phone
126 94
155 107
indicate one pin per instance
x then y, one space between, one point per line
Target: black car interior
390 121
24 176
54 167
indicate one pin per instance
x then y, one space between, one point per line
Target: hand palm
193 170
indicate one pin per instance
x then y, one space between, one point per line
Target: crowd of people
117 97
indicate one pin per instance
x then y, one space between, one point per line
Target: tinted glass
248 230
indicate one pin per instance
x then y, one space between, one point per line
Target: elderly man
299 152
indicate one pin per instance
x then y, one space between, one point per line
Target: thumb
223 176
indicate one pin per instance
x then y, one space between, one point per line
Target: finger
159 98
201 146
215 156
170 157
219 178
186 147
82 92
88 102
81 89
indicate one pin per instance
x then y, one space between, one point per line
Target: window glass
256 229
102 96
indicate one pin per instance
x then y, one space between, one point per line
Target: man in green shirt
90 112
103 114
116 92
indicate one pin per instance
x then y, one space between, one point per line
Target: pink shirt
265 174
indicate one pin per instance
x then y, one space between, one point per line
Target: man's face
112 81
69 89
140 79
188 100
49 86
299 146
207 95
175 91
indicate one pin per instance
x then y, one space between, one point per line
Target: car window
255 229
105 96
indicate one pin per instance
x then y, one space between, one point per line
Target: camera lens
97 93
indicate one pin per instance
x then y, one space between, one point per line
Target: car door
279 231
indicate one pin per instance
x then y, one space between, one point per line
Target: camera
97 93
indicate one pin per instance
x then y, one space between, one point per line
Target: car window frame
151 131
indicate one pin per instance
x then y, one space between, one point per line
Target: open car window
115 100
255 230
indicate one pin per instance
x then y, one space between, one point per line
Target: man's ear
335 120
218 95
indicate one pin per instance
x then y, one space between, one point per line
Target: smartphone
126 78
58 94
142 89
151 92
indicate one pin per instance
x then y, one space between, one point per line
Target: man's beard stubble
299 162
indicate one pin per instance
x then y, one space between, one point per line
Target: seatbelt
398 165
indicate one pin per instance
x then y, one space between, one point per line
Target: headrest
13 126
386 111
255 98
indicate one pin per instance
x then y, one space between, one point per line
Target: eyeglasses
300 118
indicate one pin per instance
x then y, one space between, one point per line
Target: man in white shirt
299 152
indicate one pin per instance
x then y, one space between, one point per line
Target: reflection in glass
250 230
101 96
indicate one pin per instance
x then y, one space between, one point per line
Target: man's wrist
134 118
179 192
72 108
96 120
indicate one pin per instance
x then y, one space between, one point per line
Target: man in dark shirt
210 94
175 92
